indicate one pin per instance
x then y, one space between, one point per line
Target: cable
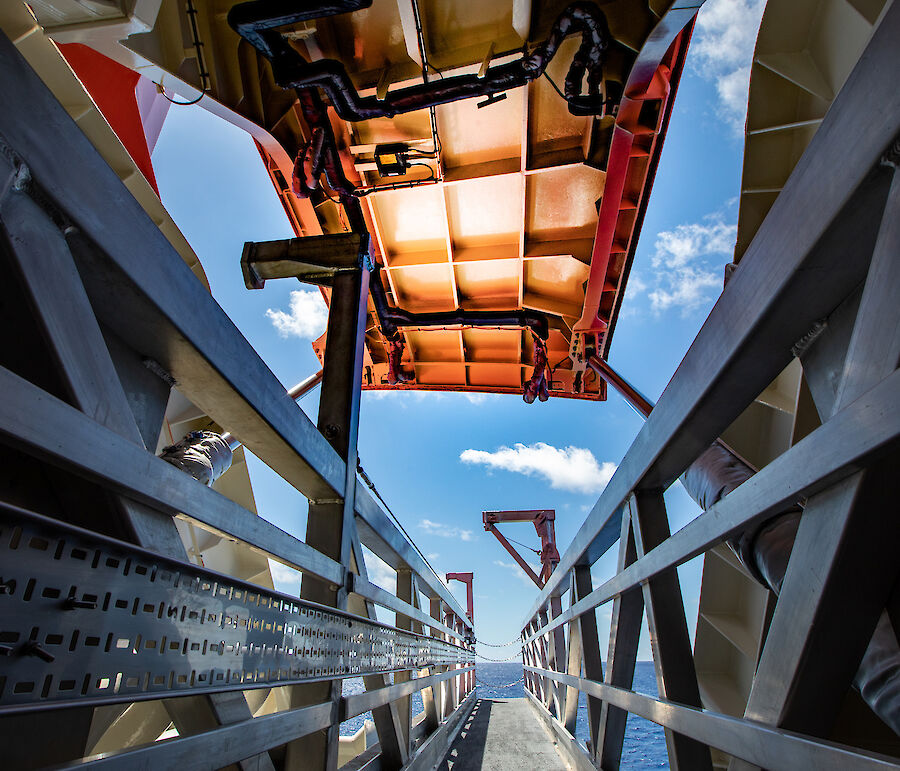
555 87
427 179
162 90
518 543
371 486
201 65
563 359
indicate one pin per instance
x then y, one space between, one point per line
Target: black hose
256 21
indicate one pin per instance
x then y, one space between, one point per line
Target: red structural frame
114 89
543 521
640 128
467 579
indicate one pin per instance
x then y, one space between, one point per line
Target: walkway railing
833 228
100 609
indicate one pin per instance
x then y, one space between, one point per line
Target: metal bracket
311 259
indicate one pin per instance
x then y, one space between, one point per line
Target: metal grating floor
502 735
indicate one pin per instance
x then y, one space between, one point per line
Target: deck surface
502 735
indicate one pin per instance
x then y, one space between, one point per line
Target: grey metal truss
833 228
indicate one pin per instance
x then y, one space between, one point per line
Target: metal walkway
502 735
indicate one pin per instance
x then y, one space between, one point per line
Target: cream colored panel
561 203
412 220
473 135
485 211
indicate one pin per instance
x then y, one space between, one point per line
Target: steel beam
310 259
557 655
143 290
405 588
771 748
676 677
770 302
363 702
624 636
381 535
218 747
867 429
42 425
393 751
331 527
72 332
842 567
390 601
574 666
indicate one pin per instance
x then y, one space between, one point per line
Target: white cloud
307 318
722 51
445 531
517 571
684 278
636 284
285 579
480 398
569 468
682 246
432 556
379 572
691 289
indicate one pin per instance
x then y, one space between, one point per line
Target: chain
507 685
501 645
500 661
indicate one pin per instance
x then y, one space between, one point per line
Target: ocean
645 743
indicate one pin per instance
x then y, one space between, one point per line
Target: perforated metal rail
84 618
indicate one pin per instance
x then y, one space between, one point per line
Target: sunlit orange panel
485 211
474 137
561 203
554 136
423 288
435 345
411 220
558 282
441 374
489 285
508 375
492 345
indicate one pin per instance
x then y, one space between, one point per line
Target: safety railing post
624 635
676 677
405 590
331 527
590 645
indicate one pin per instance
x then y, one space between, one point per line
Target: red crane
542 519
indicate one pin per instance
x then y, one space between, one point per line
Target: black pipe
256 21
533 320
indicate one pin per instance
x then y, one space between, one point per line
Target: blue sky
439 460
